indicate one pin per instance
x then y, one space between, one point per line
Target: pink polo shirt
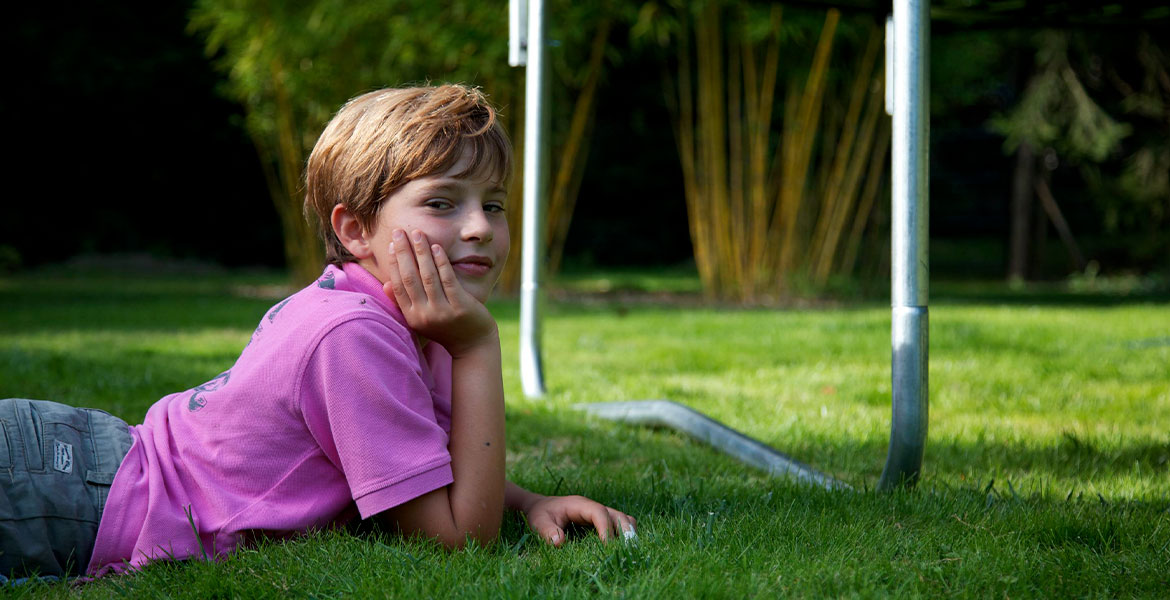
331 407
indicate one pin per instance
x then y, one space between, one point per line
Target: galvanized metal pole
517 33
535 182
910 269
664 413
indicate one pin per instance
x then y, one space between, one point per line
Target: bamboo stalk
848 194
851 154
842 153
795 177
510 278
778 175
873 179
821 170
713 155
568 175
688 159
718 146
762 125
305 255
702 150
737 238
754 184
702 154
761 94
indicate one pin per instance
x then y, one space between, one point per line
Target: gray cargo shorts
56 466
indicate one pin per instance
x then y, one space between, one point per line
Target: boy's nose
476 227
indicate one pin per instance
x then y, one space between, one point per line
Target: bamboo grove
781 177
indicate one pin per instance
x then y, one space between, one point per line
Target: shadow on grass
1072 458
1044 294
149 303
125 305
558 447
122 383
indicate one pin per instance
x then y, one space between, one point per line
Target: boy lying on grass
375 391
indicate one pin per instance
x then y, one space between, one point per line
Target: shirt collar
361 280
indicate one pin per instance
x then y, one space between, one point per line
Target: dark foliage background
120 142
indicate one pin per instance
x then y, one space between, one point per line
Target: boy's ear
350 232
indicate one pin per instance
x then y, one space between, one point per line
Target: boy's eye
439 203
494 207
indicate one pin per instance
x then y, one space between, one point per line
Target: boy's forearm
477 441
518 498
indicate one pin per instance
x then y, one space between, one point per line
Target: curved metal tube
909 268
664 413
536 122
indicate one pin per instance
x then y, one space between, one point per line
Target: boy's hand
431 298
548 516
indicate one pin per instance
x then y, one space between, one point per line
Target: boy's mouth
475 265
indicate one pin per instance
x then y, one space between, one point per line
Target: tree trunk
1044 193
1039 239
1021 214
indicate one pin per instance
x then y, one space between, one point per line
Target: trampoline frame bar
908 86
536 121
665 413
909 237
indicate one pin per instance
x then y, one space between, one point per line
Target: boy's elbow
481 536
487 538
453 538
480 527
431 516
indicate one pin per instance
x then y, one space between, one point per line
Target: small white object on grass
628 534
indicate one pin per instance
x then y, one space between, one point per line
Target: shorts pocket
28 420
99 487
105 478
68 461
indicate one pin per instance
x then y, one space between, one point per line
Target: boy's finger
618 528
451 285
407 267
427 272
547 528
553 535
394 287
599 516
625 524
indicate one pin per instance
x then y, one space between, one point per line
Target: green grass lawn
1047 468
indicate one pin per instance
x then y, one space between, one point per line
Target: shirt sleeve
367 401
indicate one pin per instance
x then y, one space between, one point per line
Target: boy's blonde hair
381 140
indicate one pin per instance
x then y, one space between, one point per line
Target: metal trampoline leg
910 235
910 399
536 122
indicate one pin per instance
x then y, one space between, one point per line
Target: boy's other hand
548 516
429 294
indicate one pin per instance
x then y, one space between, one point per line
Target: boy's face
465 215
